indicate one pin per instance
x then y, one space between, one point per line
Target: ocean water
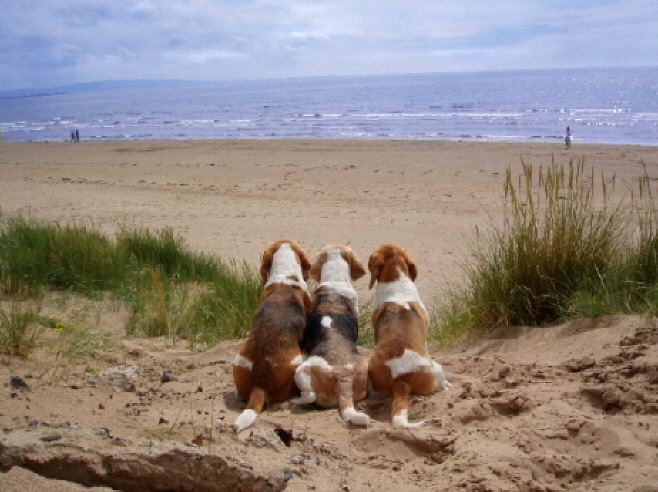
615 106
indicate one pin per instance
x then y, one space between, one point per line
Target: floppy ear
356 268
375 264
266 263
413 271
316 267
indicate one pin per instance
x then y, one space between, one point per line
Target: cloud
90 40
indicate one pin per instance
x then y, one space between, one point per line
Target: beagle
264 369
334 373
400 364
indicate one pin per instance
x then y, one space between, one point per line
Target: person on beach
77 135
72 136
568 138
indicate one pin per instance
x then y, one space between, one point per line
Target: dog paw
354 417
246 419
402 421
360 419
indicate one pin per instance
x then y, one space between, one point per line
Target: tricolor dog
264 369
334 373
400 364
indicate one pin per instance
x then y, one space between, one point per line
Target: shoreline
557 140
230 197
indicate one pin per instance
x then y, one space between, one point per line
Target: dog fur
400 364
334 372
264 369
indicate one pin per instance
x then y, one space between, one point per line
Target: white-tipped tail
246 419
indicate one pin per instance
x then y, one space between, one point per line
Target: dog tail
254 407
400 406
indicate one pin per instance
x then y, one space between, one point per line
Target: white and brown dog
334 372
400 364
264 369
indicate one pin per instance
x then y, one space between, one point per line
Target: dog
334 374
400 364
264 369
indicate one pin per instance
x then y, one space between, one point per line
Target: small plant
20 327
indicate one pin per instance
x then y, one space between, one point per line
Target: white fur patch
285 269
408 362
246 418
326 322
357 418
440 381
402 420
335 275
303 382
298 360
243 362
402 292
315 360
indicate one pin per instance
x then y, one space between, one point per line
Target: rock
18 383
84 457
168 377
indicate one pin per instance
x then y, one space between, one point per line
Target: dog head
281 247
388 261
332 251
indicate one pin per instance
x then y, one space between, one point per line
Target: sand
569 407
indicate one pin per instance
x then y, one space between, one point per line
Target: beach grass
169 290
569 246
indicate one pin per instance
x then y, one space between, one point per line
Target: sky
46 43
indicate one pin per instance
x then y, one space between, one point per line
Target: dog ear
375 264
356 268
266 263
316 267
413 270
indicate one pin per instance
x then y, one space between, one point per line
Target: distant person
568 138
72 136
77 135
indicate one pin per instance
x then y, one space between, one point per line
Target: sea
608 106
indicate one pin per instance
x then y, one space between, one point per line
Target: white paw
354 417
402 420
245 419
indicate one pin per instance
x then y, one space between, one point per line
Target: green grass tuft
565 249
170 290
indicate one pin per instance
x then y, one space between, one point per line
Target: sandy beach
573 407
229 198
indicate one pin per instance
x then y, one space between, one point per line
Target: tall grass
61 257
170 290
565 248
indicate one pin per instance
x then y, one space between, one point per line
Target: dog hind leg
346 402
400 405
254 407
